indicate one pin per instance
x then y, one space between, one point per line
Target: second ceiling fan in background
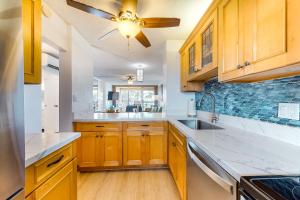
129 24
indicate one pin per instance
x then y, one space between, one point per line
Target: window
98 95
136 95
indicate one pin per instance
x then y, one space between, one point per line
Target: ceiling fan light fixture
129 29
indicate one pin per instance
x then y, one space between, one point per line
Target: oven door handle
215 177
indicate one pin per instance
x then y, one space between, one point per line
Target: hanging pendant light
140 75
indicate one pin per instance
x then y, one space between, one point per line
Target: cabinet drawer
40 171
160 125
178 137
61 185
107 126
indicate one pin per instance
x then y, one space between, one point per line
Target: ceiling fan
129 24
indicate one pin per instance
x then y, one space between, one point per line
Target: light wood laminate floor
127 185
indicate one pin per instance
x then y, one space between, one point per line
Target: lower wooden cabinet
100 149
60 186
145 148
129 145
110 149
177 160
53 177
134 148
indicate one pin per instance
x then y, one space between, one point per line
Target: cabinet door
270 28
61 186
172 156
187 86
110 149
32 20
88 149
156 147
134 148
181 170
229 40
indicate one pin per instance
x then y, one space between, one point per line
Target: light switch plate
288 110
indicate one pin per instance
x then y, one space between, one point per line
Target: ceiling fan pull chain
128 45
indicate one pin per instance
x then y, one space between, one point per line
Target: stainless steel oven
206 180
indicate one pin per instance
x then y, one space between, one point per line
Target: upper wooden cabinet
32 21
199 54
258 39
187 86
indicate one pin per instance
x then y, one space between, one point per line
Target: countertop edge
40 155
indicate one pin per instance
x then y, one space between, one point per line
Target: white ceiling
112 54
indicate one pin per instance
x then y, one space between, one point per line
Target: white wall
82 75
32 108
75 77
175 101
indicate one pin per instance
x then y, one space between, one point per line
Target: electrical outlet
288 110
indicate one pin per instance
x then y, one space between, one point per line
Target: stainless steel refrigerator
11 101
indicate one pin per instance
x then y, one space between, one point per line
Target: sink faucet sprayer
214 118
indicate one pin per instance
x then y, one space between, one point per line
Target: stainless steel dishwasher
206 180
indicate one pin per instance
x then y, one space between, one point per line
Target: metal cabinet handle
247 63
214 176
56 161
174 144
145 125
99 126
239 66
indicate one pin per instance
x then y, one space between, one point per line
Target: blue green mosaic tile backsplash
257 101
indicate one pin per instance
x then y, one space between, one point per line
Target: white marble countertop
239 152
242 153
140 116
40 145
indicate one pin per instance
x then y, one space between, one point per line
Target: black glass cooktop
279 188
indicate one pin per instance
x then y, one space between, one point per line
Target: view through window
136 95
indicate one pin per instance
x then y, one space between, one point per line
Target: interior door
134 148
110 144
50 111
156 147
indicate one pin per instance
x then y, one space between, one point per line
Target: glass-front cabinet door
207 46
208 40
192 58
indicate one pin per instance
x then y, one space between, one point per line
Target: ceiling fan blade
141 37
130 5
91 10
102 37
157 22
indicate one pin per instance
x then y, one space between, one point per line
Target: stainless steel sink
198 125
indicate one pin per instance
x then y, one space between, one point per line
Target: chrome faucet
214 117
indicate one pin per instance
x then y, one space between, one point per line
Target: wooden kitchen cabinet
177 159
32 22
100 149
156 145
110 145
60 186
145 144
134 148
258 39
100 145
53 177
88 148
187 86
